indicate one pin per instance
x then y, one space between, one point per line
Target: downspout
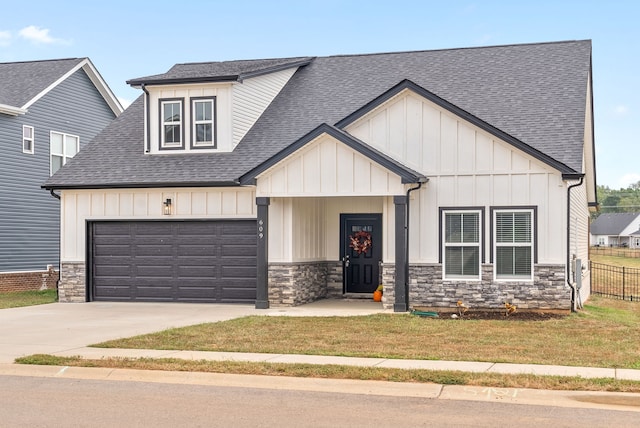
569 283
55 195
406 240
147 135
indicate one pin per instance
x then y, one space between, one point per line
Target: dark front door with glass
361 251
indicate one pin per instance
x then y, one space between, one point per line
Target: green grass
26 298
630 262
442 377
605 334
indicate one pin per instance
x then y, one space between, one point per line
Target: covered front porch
312 200
313 248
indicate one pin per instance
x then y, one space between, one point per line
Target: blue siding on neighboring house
29 215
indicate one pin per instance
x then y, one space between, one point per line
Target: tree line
619 200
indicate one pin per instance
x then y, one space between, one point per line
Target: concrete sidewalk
66 330
465 366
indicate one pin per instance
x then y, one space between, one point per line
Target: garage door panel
197 261
238 272
186 272
195 250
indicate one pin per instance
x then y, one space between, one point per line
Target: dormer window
203 130
172 132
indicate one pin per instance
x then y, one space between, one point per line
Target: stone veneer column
72 287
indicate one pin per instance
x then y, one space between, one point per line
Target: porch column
400 287
262 286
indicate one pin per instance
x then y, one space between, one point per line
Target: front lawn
17 299
605 334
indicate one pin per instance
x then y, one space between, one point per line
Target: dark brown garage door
183 261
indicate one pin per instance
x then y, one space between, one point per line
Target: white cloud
628 179
5 38
38 35
621 110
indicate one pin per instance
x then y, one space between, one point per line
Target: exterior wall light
167 207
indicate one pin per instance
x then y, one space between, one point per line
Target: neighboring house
48 111
461 174
616 230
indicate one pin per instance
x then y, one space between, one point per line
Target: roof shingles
535 93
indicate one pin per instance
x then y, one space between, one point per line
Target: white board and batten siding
78 206
327 167
308 229
466 167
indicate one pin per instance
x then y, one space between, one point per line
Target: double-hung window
203 112
172 130
27 139
513 244
461 244
63 147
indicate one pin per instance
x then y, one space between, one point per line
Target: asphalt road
56 402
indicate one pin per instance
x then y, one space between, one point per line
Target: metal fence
616 252
615 281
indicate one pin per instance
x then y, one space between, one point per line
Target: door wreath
360 241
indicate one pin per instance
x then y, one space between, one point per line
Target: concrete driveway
62 327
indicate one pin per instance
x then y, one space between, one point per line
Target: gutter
55 195
569 283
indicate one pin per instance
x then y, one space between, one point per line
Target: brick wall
26 281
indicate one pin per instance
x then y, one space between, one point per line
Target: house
48 111
616 230
446 175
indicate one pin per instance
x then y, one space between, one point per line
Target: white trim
180 123
64 155
195 122
529 244
477 245
32 139
95 78
11 110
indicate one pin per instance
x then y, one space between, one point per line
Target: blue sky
129 39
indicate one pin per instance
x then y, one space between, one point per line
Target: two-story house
459 174
48 111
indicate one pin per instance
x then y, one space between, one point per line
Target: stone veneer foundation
293 284
72 286
548 290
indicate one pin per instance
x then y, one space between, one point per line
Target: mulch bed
517 316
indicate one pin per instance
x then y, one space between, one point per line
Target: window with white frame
172 130
62 148
203 112
513 244
28 135
461 231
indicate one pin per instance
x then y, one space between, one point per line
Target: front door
361 251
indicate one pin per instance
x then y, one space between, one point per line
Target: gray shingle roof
225 70
612 223
534 92
22 81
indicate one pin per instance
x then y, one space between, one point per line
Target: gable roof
23 83
407 175
612 223
534 93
